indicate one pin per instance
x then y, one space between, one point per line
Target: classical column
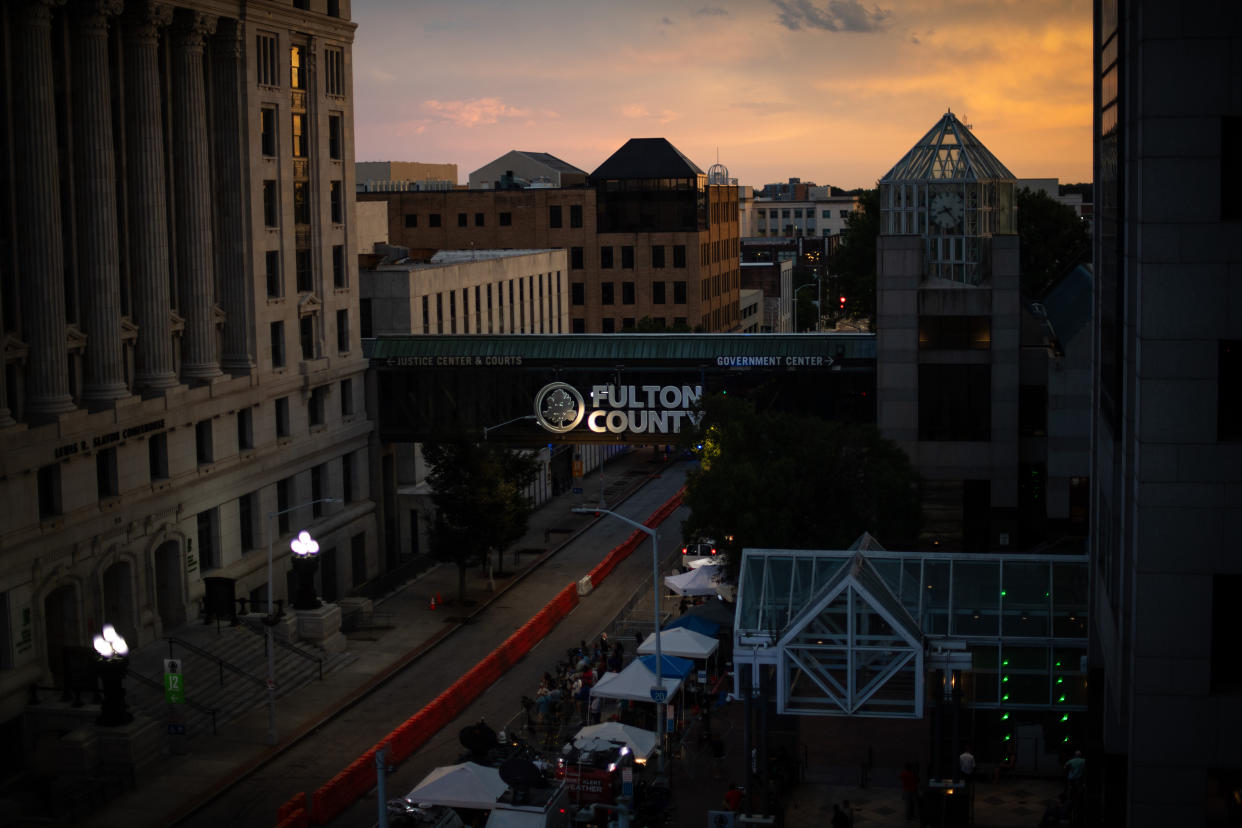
148 207
192 182
37 180
233 241
95 175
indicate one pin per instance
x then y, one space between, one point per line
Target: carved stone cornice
190 29
92 16
144 19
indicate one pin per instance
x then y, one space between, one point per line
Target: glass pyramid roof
948 152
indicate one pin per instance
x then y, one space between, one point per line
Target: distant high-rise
1166 674
180 318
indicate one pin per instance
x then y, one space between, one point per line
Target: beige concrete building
397 176
183 375
522 169
649 237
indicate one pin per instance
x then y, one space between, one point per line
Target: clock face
946 210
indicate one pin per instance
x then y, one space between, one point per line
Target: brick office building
647 237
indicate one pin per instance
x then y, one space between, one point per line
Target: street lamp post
113 655
270 621
655 589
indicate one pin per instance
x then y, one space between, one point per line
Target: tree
853 262
481 505
781 480
1053 241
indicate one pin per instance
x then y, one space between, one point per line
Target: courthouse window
273 274
299 135
335 200
267 130
271 212
297 79
338 266
336 136
334 71
267 72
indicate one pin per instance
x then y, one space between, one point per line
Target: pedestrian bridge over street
534 390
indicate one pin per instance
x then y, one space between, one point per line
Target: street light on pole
270 621
655 589
818 309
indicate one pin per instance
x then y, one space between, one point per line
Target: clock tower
947 319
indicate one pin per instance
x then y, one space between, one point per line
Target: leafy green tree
1053 240
481 504
852 264
780 480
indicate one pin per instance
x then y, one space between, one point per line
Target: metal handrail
253 627
221 663
201 708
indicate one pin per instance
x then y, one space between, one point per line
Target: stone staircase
225 673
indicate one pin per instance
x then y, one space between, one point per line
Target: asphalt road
329 750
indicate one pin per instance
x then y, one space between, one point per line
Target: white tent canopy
633 683
701 581
594 737
467 785
680 641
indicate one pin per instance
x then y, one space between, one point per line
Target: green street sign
174 681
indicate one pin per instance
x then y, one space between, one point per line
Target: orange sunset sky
830 91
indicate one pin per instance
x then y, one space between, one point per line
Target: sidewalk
170 790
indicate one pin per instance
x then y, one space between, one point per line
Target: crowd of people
564 693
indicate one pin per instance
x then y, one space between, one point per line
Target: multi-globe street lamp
113 664
271 620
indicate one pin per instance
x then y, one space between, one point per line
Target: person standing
733 798
910 791
966 763
1074 770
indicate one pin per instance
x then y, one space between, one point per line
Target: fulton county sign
618 409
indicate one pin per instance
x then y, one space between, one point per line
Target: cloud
837 16
634 111
712 11
478 112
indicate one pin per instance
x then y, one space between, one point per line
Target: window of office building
342 331
316 408
203 442
336 136
506 219
283 496
606 293
679 293
479 220
575 258
955 402
267 130
271 207
334 70
299 135
627 293
657 293
105 473
577 326
272 266
338 266
609 325
365 328
306 335
627 323
347 397
301 202
266 65
302 267
209 539
336 202
297 72
245 428
317 476
433 220
247 508
627 256
282 417
411 219
554 215
463 220
575 215
157 456
605 257
278 344
657 255
347 477
679 255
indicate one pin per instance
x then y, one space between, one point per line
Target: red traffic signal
842 303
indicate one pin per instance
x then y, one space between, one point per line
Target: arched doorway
169 589
61 625
118 599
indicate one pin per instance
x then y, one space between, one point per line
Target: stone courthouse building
178 315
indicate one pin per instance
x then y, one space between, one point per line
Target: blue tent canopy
691 622
672 665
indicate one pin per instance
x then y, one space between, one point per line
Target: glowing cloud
474 113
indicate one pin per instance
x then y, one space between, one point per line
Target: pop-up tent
671 665
633 683
693 622
720 612
680 641
701 581
467 785
641 742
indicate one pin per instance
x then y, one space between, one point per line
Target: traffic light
842 299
